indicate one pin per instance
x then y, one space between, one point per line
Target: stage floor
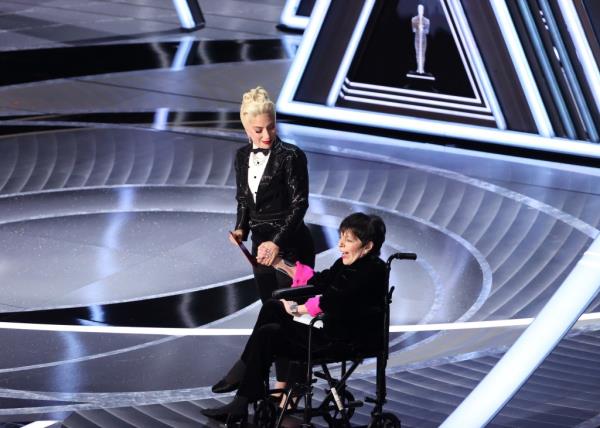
117 192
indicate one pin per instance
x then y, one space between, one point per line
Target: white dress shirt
256 167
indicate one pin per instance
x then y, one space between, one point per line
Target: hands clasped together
268 255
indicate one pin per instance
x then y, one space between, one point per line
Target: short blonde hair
256 102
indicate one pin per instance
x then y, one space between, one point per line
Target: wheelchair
339 404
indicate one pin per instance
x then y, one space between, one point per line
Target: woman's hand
300 309
286 305
235 237
267 251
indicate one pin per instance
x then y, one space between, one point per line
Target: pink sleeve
312 306
302 275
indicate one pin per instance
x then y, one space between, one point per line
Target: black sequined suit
278 213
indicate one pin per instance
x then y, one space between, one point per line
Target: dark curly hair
366 228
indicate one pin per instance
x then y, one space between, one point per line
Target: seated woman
353 283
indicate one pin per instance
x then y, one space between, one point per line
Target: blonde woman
272 194
272 198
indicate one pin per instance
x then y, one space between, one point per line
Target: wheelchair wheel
265 414
385 420
334 419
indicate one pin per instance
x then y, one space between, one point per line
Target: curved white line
41 424
181 332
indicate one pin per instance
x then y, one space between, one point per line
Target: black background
386 52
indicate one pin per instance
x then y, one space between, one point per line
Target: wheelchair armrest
292 293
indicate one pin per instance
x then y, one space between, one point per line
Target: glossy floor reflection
21 66
106 215
117 191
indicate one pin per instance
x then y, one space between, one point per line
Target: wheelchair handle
402 256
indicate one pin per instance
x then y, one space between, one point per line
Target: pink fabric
312 306
302 275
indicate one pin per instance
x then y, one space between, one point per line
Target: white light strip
415 100
308 40
161 116
474 325
513 44
582 47
469 325
419 108
441 128
477 62
158 331
41 424
431 95
185 14
289 17
350 51
183 51
533 346
318 135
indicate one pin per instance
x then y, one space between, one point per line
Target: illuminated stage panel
428 72
468 74
391 22
356 68
295 14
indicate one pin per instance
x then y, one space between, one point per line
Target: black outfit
349 293
278 213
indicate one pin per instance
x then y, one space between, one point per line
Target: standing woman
272 195
272 198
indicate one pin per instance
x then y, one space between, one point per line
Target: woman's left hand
267 251
287 305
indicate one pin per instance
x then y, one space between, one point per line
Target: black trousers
275 335
268 279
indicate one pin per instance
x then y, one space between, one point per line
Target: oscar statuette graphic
420 27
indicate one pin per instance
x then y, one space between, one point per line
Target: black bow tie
263 151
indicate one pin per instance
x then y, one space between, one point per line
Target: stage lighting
190 14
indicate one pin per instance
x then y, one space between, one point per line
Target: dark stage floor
117 192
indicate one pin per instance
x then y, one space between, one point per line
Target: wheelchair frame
338 399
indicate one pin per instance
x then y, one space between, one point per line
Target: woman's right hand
236 236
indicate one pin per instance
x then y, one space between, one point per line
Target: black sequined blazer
281 199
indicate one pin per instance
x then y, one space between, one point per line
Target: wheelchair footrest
321 375
354 404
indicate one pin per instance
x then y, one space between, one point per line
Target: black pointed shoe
231 414
232 379
223 386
